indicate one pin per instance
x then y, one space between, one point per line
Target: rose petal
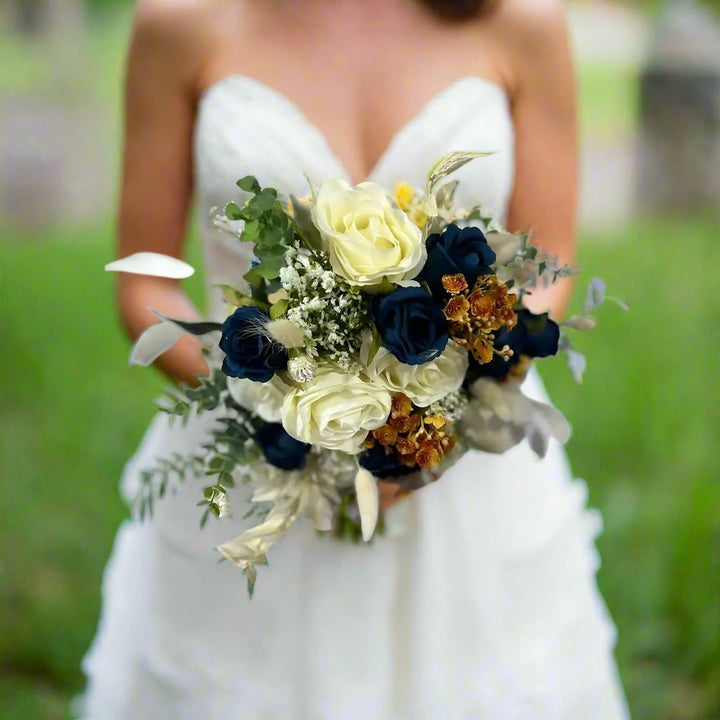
150 263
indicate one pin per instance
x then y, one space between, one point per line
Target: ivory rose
423 384
366 236
336 410
263 398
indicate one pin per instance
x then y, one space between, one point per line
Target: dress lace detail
479 603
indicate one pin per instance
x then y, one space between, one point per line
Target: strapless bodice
245 127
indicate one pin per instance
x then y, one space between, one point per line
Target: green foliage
267 225
229 446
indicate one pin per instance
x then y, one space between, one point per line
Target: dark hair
459 9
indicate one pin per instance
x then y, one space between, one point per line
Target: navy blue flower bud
249 352
536 336
383 463
280 449
456 251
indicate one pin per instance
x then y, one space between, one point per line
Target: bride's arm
545 117
157 171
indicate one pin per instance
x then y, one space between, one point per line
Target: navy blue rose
249 353
280 449
543 335
456 251
384 464
411 324
534 335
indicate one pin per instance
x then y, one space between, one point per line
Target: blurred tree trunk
35 18
680 112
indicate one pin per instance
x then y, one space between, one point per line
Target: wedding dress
480 602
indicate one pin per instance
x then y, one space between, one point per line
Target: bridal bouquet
375 337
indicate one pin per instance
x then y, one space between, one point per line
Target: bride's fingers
390 493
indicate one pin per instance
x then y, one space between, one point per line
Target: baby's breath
451 406
331 314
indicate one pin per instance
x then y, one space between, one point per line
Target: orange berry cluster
416 438
475 315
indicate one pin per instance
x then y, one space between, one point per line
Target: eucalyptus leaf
233 211
270 268
265 200
251 231
270 235
255 279
238 299
231 295
279 308
249 184
269 252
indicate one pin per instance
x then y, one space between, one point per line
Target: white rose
366 236
263 398
336 411
423 384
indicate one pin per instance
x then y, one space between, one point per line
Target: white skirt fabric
480 602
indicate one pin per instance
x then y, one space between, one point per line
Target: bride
480 601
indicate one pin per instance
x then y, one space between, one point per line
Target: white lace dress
481 601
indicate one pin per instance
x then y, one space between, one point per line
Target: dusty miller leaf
595 295
577 363
581 323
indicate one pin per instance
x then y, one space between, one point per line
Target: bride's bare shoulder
526 24
177 35
179 14
533 35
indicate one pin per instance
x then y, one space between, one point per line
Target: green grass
68 66
645 420
609 101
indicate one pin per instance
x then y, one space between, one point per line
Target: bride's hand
390 493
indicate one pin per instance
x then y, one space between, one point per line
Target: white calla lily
156 340
150 263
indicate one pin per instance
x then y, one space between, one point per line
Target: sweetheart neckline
402 131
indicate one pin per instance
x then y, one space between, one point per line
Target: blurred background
647 415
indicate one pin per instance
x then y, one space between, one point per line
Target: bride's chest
245 126
358 75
